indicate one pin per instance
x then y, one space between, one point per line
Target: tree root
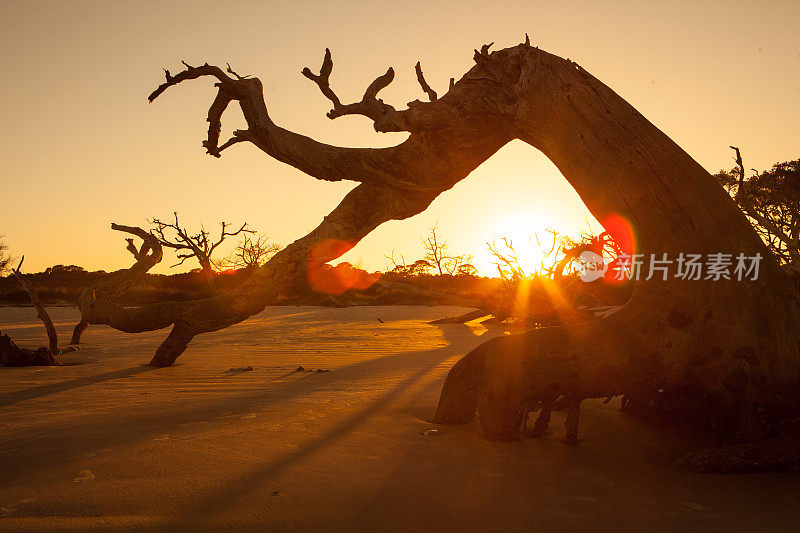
504 377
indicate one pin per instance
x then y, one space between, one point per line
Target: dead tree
436 248
11 354
507 261
200 245
109 289
728 349
41 312
250 253
5 260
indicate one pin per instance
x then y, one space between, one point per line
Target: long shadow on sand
76 439
235 490
10 398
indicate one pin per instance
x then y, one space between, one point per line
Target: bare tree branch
250 253
190 73
370 106
424 84
198 246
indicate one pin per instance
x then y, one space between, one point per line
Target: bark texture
731 347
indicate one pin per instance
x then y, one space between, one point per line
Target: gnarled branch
424 84
370 105
96 303
191 73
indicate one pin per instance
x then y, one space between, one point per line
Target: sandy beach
105 443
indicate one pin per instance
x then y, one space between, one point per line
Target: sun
530 237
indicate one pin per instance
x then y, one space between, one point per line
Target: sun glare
530 239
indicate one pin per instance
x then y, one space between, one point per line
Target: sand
107 444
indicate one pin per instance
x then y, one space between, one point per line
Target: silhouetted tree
417 268
250 253
771 199
466 269
149 253
4 257
61 269
675 342
438 255
199 245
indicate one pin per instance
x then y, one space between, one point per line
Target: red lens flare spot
622 232
338 279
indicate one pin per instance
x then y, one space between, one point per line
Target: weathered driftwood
147 255
10 354
13 355
734 344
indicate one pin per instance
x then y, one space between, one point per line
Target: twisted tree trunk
733 344
146 256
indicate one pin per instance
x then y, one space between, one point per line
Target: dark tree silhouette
110 288
250 253
678 339
771 199
417 268
437 253
5 259
200 246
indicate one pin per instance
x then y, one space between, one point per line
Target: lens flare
327 279
621 230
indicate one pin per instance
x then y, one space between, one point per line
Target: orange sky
81 146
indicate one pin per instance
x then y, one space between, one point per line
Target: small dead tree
572 250
437 254
41 312
507 261
200 245
251 252
4 257
395 264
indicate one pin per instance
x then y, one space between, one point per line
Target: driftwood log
730 348
146 256
13 355
41 312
